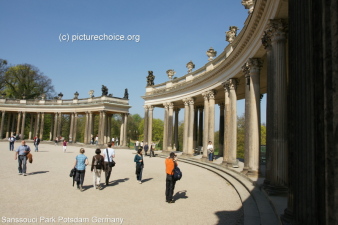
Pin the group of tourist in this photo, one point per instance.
(145, 147)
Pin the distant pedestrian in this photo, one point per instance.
(108, 153)
(210, 150)
(81, 161)
(21, 156)
(138, 159)
(170, 164)
(146, 148)
(97, 167)
(64, 145)
(11, 142)
(36, 143)
(96, 140)
(56, 141)
(152, 148)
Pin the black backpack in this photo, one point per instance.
(177, 173)
(98, 162)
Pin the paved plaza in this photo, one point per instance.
(46, 194)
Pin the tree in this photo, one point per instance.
(263, 134)
(240, 136)
(3, 69)
(26, 80)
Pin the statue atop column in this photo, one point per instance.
(104, 90)
(150, 78)
(126, 95)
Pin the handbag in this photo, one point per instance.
(112, 163)
(72, 172)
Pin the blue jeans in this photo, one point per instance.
(22, 161)
(211, 156)
(11, 146)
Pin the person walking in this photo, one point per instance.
(146, 147)
(138, 159)
(152, 148)
(36, 143)
(56, 141)
(81, 161)
(108, 154)
(170, 164)
(64, 145)
(11, 143)
(21, 155)
(210, 149)
(97, 167)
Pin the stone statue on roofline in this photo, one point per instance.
(126, 95)
(104, 90)
(150, 78)
(231, 34)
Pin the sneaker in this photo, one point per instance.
(20, 173)
(25, 174)
(140, 182)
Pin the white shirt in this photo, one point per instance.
(111, 153)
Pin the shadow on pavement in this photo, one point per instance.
(38, 172)
(180, 195)
(145, 180)
(230, 217)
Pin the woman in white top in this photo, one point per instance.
(210, 150)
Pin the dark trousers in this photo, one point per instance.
(11, 146)
(79, 177)
(22, 161)
(169, 187)
(107, 171)
(152, 153)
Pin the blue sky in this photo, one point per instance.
(171, 34)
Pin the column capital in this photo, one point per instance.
(212, 94)
(166, 106)
(191, 101)
(176, 109)
(170, 105)
(151, 108)
(205, 95)
(146, 107)
(232, 83)
(266, 39)
(278, 29)
(221, 105)
(186, 101)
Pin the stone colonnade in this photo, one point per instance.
(14, 123)
(199, 119)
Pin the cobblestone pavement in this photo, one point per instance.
(46, 195)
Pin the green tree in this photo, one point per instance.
(26, 80)
(240, 136)
(263, 134)
(134, 131)
(3, 69)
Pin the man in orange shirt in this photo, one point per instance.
(170, 164)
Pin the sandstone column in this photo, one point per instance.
(186, 126)
(221, 129)
(206, 124)
(2, 123)
(232, 83)
(59, 124)
(18, 123)
(23, 125)
(42, 124)
(226, 123)
(170, 126)
(86, 128)
(165, 129)
(125, 129)
(211, 129)
(75, 127)
(10, 117)
(150, 124)
(190, 149)
(55, 126)
(252, 106)
(177, 147)
(195, 136)
(200, 127)
(71, 127)
(145, 129)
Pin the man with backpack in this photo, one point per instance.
(108, 155)
(11, 143)
(170, 164)
(97, 167)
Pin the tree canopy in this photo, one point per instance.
(25, 80)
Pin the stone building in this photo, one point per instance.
(288, 50)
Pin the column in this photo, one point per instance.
(177, 147)
(221, 129)
(8, 132)
(232, 83)
(23, 125)
(200, 127)
(91, 127)
(71, 129)
(103, 126)
(186, 126)
(252, 106)
(18, 123)
(36, 126)
(42, 124)
(195, 135)
(85, 136)
(59, 124)
(206, 124)
(170, 126)
(226, 123)
(165, 129)
(150, 124)
(31, 131)
(55, 125)
(75, 127)
(145, 124)
(211, 129)
(121, 130)
(2, 124)
(109, 128)
(125, 129)
(51, 134)
(190, 150)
